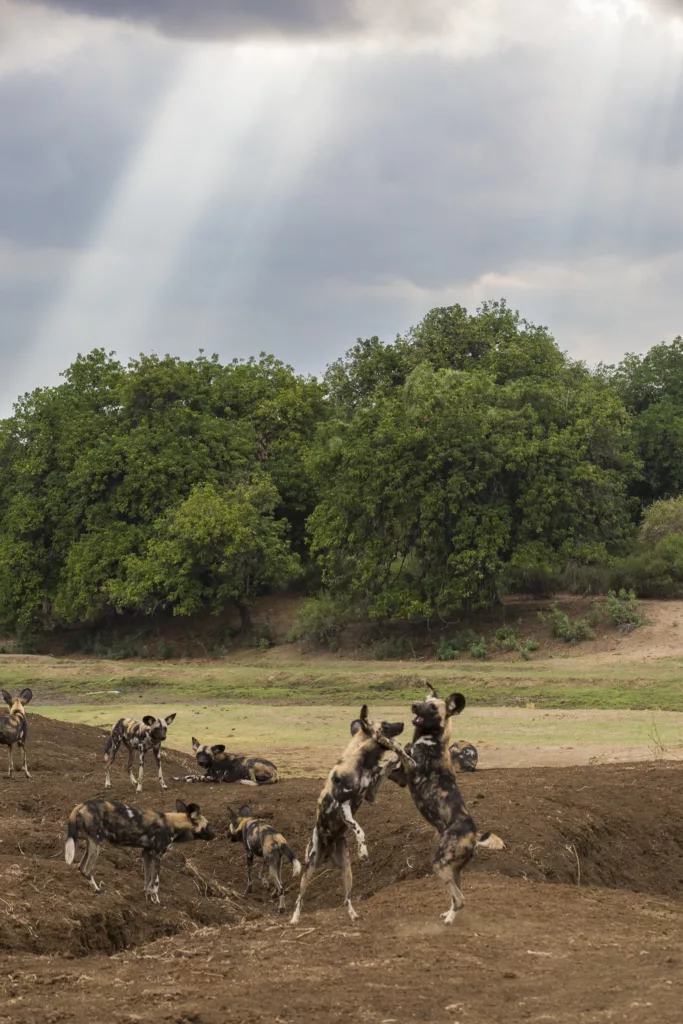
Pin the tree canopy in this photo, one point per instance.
(418, 477)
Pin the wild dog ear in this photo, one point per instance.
(234, 817)
(192, 811)
(356, 726)
(170, 718)
(364, 719)
(245, 811)
(218, 748)
(7, 697)
(195, 744)
(25, 695)
(455, 704)
(149, 720)
(181, 807)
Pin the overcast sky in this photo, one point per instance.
(288, 175)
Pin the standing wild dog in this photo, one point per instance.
(152, 831)
(425, 767)
(14, 726)
(262, 840)
(219, 766)
(464, 756)
(142, 736)
(357, 776)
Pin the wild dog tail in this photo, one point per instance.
(110, 737)
(489, 841)
(291, 857)
(72, 836)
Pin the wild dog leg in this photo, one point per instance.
(129, 766)
(109, 757)
(452, 855)
(274, 870)
(250, 864)
(24, 765)
(312, 854)
(92, 854)
(11, 762)
(138, 787)
(347, 878)
(194, 778)
(356, 829)
(160, 775)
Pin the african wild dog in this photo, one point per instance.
(425, 767)
(262, 840)
(464, 756)
(357, 776)
(153, 831)
(142, 736)
(220, 766)
(14, 726)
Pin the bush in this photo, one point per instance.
(530, 645)
(661, 519)
(446, 651)
(478, 649)
(391, 648)
(653, 572)
(562, 628)
(622, 608)
(506, 639)
(262, 636)
(320, 622)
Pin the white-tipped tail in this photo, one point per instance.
(69, 851)
(296, 867)
(248, 782)
(491, 842)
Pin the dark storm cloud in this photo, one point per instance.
(231, 19)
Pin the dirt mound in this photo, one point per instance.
(607, 826)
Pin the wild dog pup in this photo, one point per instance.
(464, 756)
(153, 831)
(425, 766)
(142, 736)
(219, 766)
(357, 776)
(262, 840)
(14, 726)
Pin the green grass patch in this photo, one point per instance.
(551, 683)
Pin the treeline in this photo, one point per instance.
(468, 458)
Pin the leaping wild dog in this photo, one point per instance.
(142, 736)
(219, 766)
(357, 776)
(262, 840)
(425, 767)
(14, 726)
(153, 831)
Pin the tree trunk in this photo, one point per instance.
(245, 618)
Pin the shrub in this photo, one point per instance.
(622, 608)
(506, 639)
(320, 622)
(562, 628)
(478, 649)
(446, 651)
(661, 519)
(262, 636)
(653, 572)
(389, 648)
(531, 645)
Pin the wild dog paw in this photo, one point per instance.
(363, 854)
(448, 917)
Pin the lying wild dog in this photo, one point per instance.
(219, 766)
(357, 776)
(142, 736)
(153, 831)
(14, 726)
(262, 840)
(425, 767)
(464, 756)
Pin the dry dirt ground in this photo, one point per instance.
(579, 920)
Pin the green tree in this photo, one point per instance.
(498, 456)
(213, 549)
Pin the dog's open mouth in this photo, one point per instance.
(418, 720)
